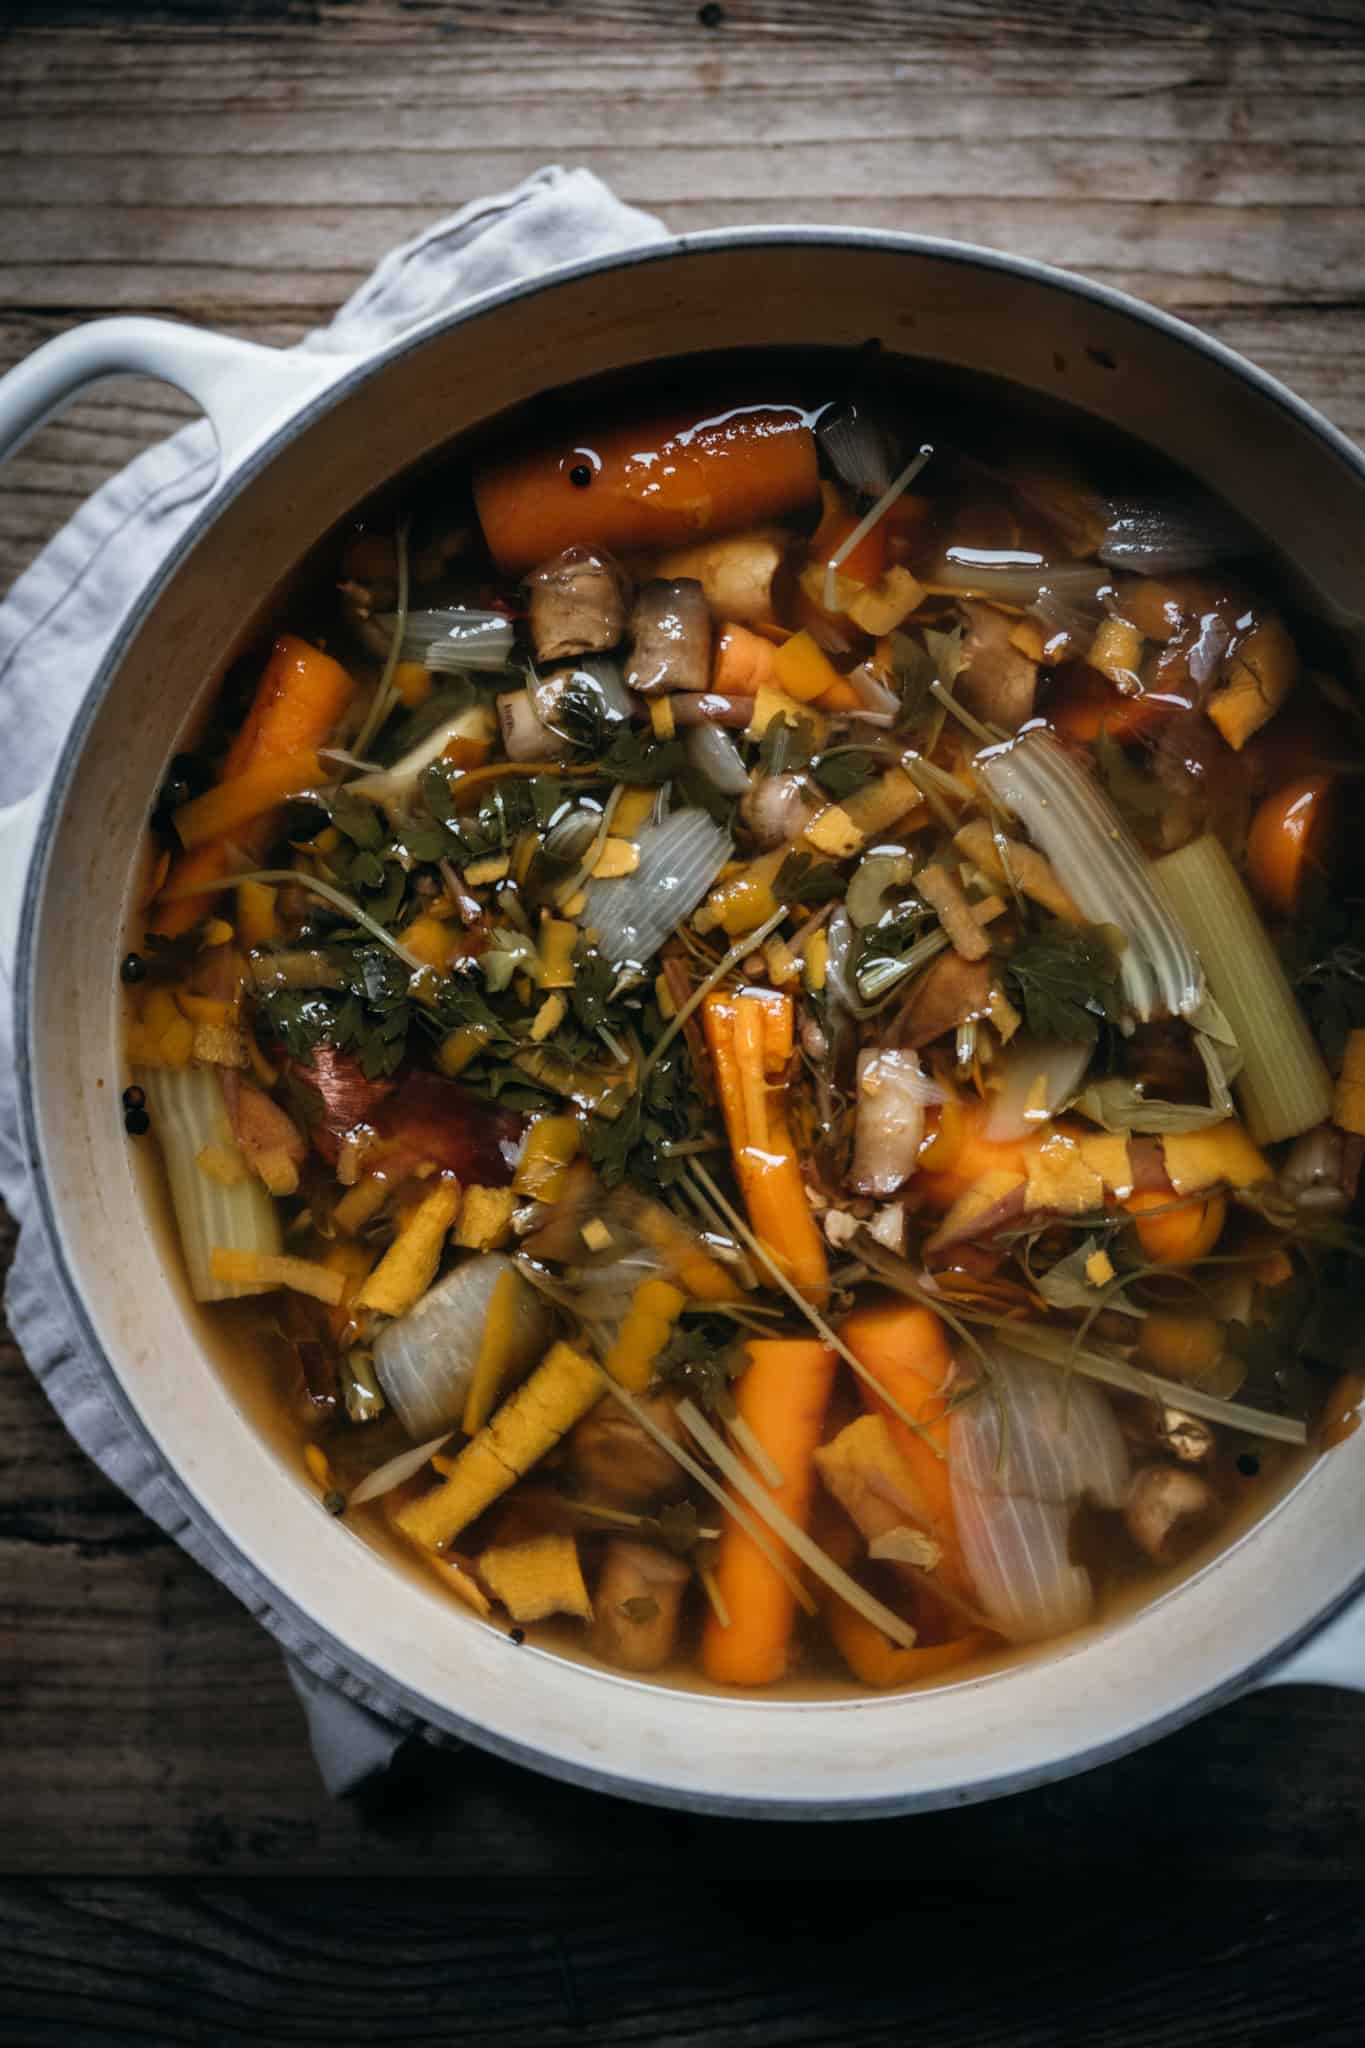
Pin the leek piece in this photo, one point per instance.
(1099, 864)
(188, 1116)
(1284, 1087)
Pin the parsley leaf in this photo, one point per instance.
(1326, 963)
(594, 980)
(915, 669)
(787, 745)
(803, 879)
(359, 821)
(702, 1358)
(1065, 981)
(847, 769)
(634, 757)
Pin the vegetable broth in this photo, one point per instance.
(754, 1023)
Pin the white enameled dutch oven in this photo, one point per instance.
(301, 441)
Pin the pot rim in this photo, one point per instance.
(323, 1646)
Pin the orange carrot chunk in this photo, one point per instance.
(905, 1350)
(1289, 841)
(654, 484)
(1172, 1232)
(782, 1397)
(299, 700)
(745, 1043)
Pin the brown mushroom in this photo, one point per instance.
(615, 1461)
(637, 1604)
(1169, 1511)
(998, 681)
(671, 635)
(578, 605)
(777, 808)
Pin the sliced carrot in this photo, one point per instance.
(804, 670)
(229, 805)
(904, 1347)
(299, 700)
(1174, 1233)
(738, 1034)
(1289, 840)
(866, 562)
(782, 1397)
(742, 663)
(653, 484)
(958, 1155)
(875, 1661)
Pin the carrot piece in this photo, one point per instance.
(738, 1035)
(742, 663)
(876, 1662)
(903, 1346)
(958, 1155)
(1289, 838)
(1178, 1235)
(804, 670)
(840, 696)
(264, 786)
(782, 1397)
(654, 484)
(299, 699)
(867, 561)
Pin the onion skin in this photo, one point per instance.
(425, 1360)
(1013, 1509)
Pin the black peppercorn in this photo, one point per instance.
(580, 476)
(137, 1123)
(132, 968)
(335, 1503)
(133, 1098)
(516, 1635)
(1248, 1464)
(712, 15)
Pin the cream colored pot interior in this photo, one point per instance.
(1092, 1695)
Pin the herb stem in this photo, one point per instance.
(741, 950)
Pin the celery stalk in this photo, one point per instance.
(1284, 1087)
(188, 1115)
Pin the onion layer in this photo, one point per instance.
(425, 1361)
(679, 860)
(1024, 1454)
(893, 1091)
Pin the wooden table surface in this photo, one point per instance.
(244, 166)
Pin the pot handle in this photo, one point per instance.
(1333, 1655)
(245, 389)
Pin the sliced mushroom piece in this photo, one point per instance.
(637, 1605)
(949, 993)
(778, 808)
(998, 682)
(613, 1460)
(1169, 1511)
(578, 605)
(671, 637)
(525, 735)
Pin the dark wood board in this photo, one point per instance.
(244, 165)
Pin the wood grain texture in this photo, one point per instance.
(244, 165)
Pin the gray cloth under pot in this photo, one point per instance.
(55, 626)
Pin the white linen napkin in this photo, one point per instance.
(55, 626)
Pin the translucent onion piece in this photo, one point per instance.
(1100, 863)
(858, 447)
(425, 1361)
(1040, 1076)
(450, 641)
(594, 675)
(716, 758)
(385, 1477)
(893, 1090)
(679, 860)
(1023, 1456)
(1161, 536)
(1078, 584)
(396, 785)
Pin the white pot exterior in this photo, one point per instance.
(1092, 1696)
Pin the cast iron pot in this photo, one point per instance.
(301, 441)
